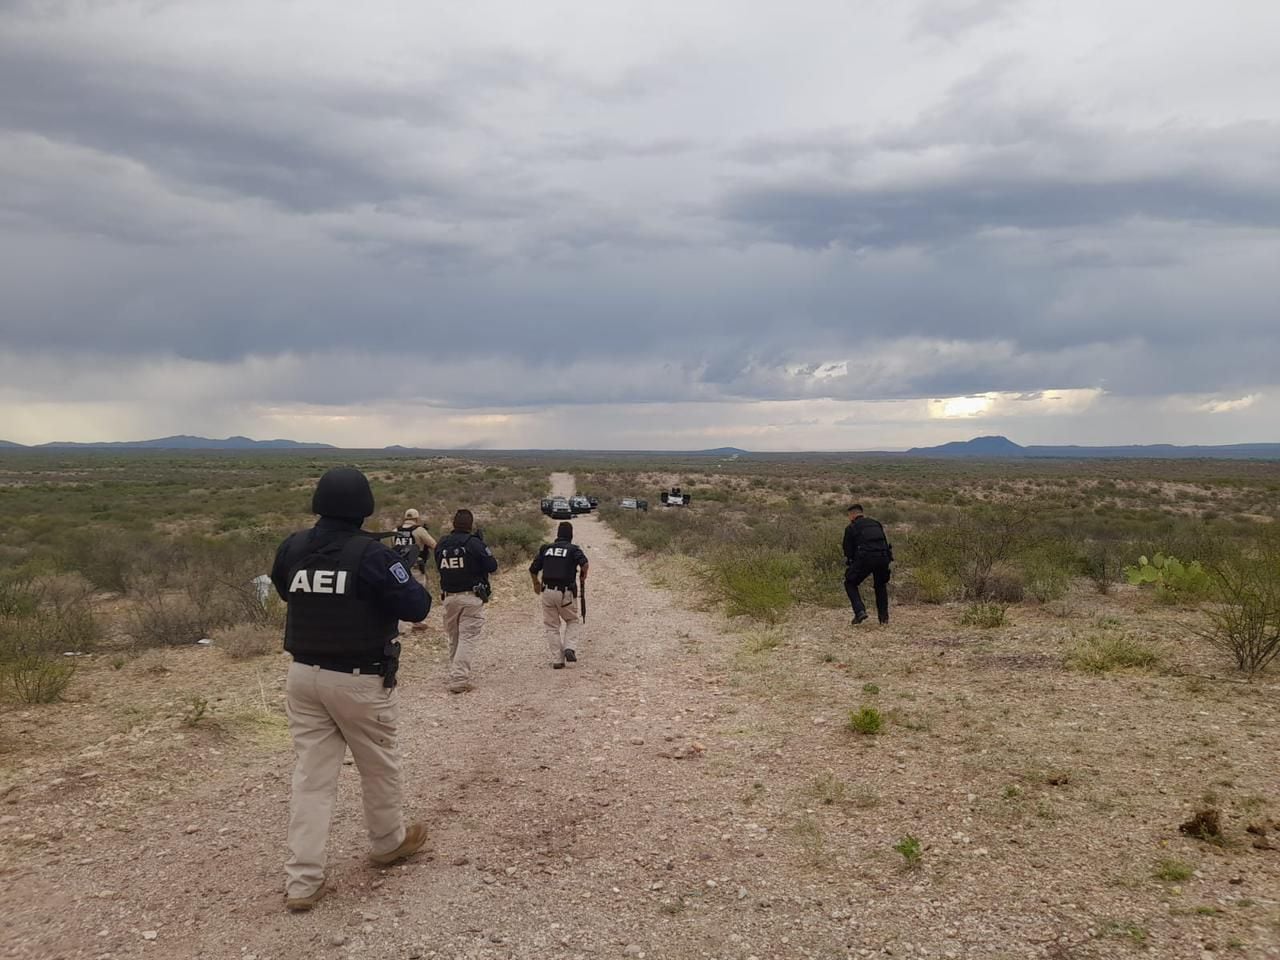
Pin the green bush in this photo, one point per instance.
(756, 583)
(985, 615)
(867, 721)
(1245, 623)
(37, 679)
(18, 598)
(514, 541)
(1046, 581)
(933, 585)
(910, 849)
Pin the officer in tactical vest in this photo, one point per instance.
(464, 563)
(867, 553)
(413, 541)
(346, 594)
(561, 564)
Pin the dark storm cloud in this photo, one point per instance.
(214, 132)
(939, 214)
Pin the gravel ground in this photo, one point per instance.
(683, 793)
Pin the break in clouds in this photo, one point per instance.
(789, 226)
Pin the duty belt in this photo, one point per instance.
(558, 586)
(370, 668)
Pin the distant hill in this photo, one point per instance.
(181, 442)
(1003, 447)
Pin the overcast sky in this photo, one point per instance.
(790, 225)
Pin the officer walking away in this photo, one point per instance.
(561, 564)
(346, 594)
(867, 553)
(464, 563)
(413, 541)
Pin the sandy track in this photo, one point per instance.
(553, 798)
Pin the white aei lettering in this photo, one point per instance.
(452, 563)
(558, 551)
(320, 581)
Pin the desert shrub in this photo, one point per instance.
(514, 541)
(108, 562)
(1002, 585)
(1045, 581)
(49, 632)
(37, 679)
(933, 585)
(18, 597)
(911, 850)
(1103, 652)
(1245, 623)
(162, 619)
(821, 578)
(1102, 562)
(866, 721)
(991, 537)
(245, 640)
(755, 583)
(985, 614)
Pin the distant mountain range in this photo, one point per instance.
(979, 448)
(995, 448)
(182, 442)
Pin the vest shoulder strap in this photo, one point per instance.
(353, 552)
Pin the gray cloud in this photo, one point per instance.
(504, 210)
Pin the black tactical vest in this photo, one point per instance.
(459, 571)
(327, 619)
(403, 543)
(558, 568)
(872, 545)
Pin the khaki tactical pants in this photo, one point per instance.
(463, 623)
(329, 712)
(560, 605)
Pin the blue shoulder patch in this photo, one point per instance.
(399, 572)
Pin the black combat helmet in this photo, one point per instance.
(343, 492)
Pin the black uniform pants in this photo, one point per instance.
(855, 573)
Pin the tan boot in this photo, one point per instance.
(414, 838)
(303, 904)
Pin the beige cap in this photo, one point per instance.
(411, 514)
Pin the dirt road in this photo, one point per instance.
(570, 811)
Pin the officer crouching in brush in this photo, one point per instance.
(346, 594)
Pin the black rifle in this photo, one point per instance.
(582, 597)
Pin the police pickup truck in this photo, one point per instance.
(675, 498)
(631, 503)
